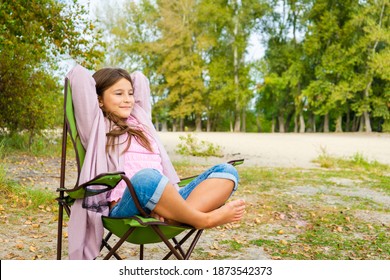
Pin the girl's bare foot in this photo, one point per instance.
(228, 213)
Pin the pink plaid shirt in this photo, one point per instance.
(137, 158)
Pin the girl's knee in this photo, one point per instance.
(146, 177)
(228, 168)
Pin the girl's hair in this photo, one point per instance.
(105, 78)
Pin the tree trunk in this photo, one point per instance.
(326, 123)
(243, 127)
(361, 123)
(164, 126)
(348, 122)
(311, 123)
(181, 125)
(367, 122)
(355, 124)
(296, 125)
(237, 123)
(198, 123)
(208, 125)
(339, 122)
(281, 123)
(302, 126)
(273, 125)
(258, 124)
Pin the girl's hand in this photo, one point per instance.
(157, 216)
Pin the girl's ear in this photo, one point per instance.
(100, 102)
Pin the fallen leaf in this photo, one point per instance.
(215, 246)
(284, 242)
(212, 254)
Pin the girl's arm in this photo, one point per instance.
(85, 102)
(142, 92)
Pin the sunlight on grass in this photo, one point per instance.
(24, 198)
(356, 161)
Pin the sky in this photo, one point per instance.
(255, 50)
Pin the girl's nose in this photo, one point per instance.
(127, 98)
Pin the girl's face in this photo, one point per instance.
(118, 99)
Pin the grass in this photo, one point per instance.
(45, 144)
(313, 213)
(337, 211)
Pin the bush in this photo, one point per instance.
(192, 147)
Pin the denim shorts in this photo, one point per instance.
(149, 184)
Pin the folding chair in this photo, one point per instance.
(141, 229)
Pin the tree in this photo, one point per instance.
(372, 53)
(286, 74)
(228, 26)
(33, 35)
(345, 38)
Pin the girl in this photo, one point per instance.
(115, 128)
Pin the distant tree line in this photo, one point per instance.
(326, 65)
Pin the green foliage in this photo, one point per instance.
(356, 162)
(194, 54)
(2, 168)
(48, 142)
(191, 146)
(386, 126)
(34, 36)
(22, 197)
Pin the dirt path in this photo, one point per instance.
(289, 149)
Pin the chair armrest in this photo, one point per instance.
(107, 181)
(236, 162)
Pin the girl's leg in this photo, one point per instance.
(211, 189)
(210, 194)
(156, 194)
(173, 207)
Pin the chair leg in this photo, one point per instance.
(119, 243)
(59, 230)
(193, 244)
(178, 247)
(187, 255)
(109, 248)
(166, 241)
(141, 251)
